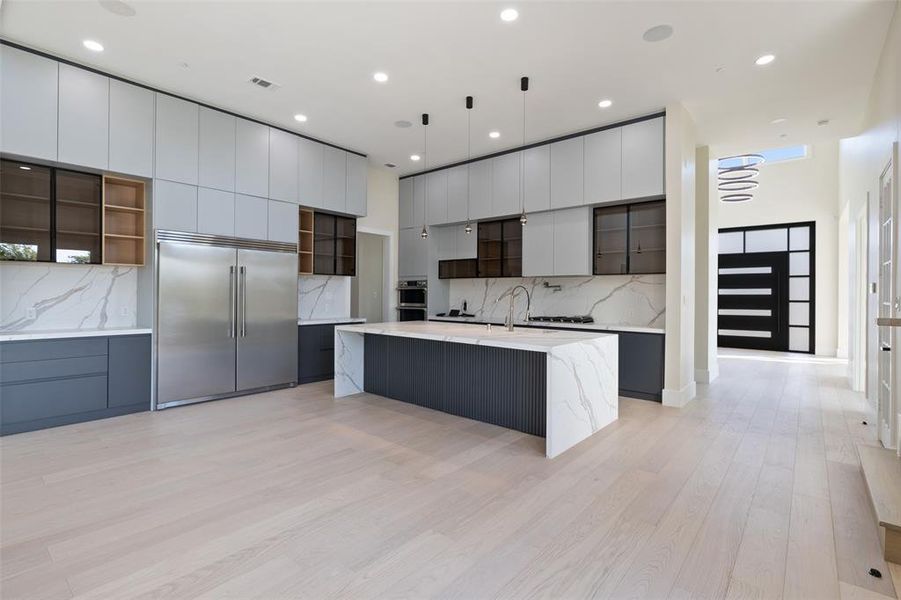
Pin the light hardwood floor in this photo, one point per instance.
(752, 491)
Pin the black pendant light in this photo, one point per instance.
(424, 234)
(523, 219)
(468, 228)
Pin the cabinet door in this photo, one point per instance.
(131, 111)
(128, 378)
(537, 177)
(309, 158)
(176, 139)
(405, 203)
(457, 194)
(419, 184)
(283, 166)
(642, 158)
(436, 210)
(357, 179)
(83, 118)
(538, 245)
(334, 179)
(29, 95)
(603, 166)
(480, 189)
(505, 185)
(610, 240)
(647, 237)
(215, 212)
(566, 173)
(445, 242)
(217, 150)
(251, 158)
(174, 206)
(467, 243)
(251, 217)
(283, 222)
(412, 252)
(572, 241)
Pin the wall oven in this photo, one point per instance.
(412, 300)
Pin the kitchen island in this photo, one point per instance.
(560, 385)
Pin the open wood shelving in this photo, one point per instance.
(123, 221)
(305, 242)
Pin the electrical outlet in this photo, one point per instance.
(31, 313)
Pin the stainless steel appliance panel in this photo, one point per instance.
(267, 318)
(196, 323)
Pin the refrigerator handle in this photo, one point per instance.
(231, 301)
(243, 288)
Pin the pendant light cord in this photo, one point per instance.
(522, 159)
(468, 159)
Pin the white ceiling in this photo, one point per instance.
(324, 54)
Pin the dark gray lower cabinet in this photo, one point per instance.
(316, 352)
(46, 383)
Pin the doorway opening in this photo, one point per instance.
(368, 290)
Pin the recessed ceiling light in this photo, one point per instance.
(92, 45)
(509, 14)
(605, 103)
(300, 118)
(822, 122)
(380, 77)
(765, 59)
(494, 134)
(658, 33)
(24, 168)
(414, 157)
(783, 135)
(117, 7)
(779, 120)
(403, 124)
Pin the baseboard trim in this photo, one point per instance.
(679, 398)
(706, 375)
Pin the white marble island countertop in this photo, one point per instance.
(330, 320)
(553, 325)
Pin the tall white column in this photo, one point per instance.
(706, 251)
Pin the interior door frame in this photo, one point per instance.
(887, 430)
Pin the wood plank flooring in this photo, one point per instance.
(752, 491)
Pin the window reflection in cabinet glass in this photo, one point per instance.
(78, 214)
(24, 212)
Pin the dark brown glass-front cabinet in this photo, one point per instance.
(630, 238)
(500, 248)
(334, 245)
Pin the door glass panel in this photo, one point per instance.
(78, 197)
(732, 242)
(746, 271)
(24, 212)
(799, 339)
(799, 288)
(745, 291)
(745, 312)
(799, 238)
(799, 313)
(799, 263)
(766, 240)
(745, 333)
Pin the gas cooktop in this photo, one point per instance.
(576, 319)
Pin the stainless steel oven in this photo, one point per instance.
(412, 300)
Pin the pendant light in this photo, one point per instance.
(523, 219)
(468, 228)
(425, 151)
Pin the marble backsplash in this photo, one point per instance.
(323, 297)
(634, 300)
(40, 297)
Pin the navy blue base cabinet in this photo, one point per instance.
(316, 352)
(46, 383)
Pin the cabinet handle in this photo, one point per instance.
(231, 301)
(243, 301)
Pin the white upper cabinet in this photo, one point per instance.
(217, 150)
(357, 181)
(215, 212)
(405, 203)
(643, 159)
(505, 185)
(419, 183)
(174, 206)
(176, 139)
(457, 194)
(412, 255)
(538, 245)
(309, 161)
(572, 241)
(29, 93)
(282, 222)
(603, 166)
(252, 158)
(283, 166)
(480, 190)
(537, 178)
(445, 242)
(131, 126)
(251, 217)
(83, 137)
(467, 243)
(334, 179)
(436, 209)
(566, 173)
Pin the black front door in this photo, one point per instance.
(752, 307)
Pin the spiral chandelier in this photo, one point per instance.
(737, 181)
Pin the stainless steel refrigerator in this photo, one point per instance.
(226, 317)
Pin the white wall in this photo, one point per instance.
(707, 206)
(381, 219)
(801, 190)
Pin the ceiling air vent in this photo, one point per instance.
(264, 83)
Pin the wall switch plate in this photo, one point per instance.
(31, 313)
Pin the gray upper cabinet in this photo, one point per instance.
(176, 139)
(251, 158)
(537, 177)
(566, 173)
(283, 221)
(643, 159)
(538, 245)
(131, 126)
(215, 212)
(405, 203)
(505, 198)
(252, 217)
(419, 183)
(572, 241)
(436, 208)
(83, 137)
(480, 190)
(334, 179)
(29, 94)
(217, 150)
(283, 166)
(309, 172)
(174, 206)
(457, 194)
(357, 180)
(412, 255)
(467, 243)
(603, 166)
(445, 241)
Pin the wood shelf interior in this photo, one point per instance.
(123, 221)
(305, 242)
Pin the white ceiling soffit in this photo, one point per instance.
(324, 55)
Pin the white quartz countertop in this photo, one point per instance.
(538, 340)
(14, 336)
(330, 321)
(545, 324)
